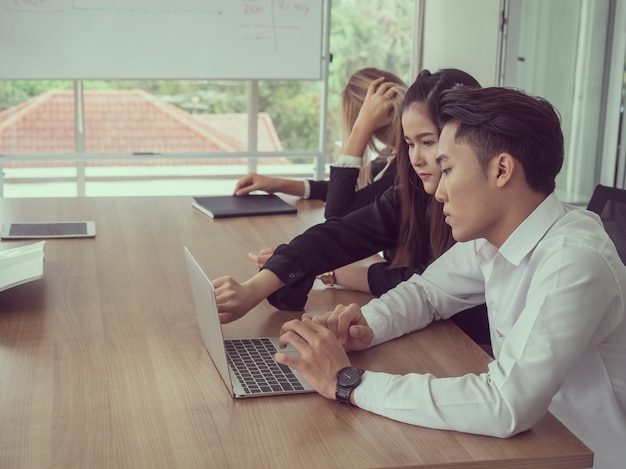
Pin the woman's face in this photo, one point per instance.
(422, 137)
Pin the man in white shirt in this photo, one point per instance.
(552, 280)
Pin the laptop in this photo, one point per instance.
(246, 366)
(227, 206)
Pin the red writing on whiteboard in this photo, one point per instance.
(33, 6)
(31, 3)
(252, 9)
(298, 7)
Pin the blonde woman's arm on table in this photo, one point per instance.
(257, 182)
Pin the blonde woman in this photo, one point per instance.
(370, 109)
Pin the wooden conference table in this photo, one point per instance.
(102, 364)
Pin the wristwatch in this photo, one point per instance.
(348, 378)
(328, 278)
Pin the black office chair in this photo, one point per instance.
(610, 204)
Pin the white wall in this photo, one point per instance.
(462, 34)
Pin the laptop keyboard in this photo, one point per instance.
(252, 360)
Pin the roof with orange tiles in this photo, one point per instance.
(126, 122)
(235, 126)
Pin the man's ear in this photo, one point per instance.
(505, 167)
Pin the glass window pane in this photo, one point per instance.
(195, 129)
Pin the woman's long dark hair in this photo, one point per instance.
(424, 236)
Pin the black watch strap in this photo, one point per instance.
(348, 378)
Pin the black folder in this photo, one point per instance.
(242, 206)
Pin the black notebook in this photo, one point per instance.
(242, 206)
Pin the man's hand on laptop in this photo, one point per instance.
(320, 355)
(348, 325)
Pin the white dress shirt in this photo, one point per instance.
(555, 296)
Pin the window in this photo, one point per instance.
(159, 137)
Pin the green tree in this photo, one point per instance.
(373, 33)
(295, 109)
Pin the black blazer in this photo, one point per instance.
(339, 191)
(337, 242)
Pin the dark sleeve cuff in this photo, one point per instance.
(341, 191)
(288, 300)
(381, 278)
(318, 190)
(298, 281)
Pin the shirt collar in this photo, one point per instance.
(527, 235)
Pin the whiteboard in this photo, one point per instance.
(161, 39)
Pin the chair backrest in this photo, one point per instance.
(610, 204)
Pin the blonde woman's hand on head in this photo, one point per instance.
(378, 106)
(376, 112)
(261, 258)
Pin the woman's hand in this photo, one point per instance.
(261, 258)
(378, 107)
(376, 112)
(256, 182)
(234, 300)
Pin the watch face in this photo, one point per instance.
(328, 278)
(349, 376)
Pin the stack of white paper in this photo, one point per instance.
(21, 264)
